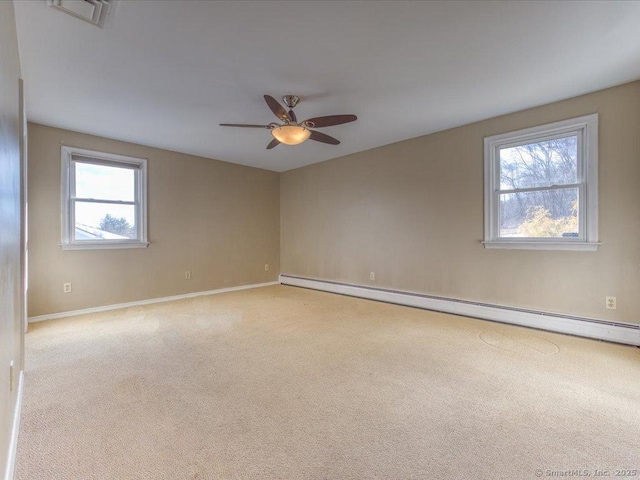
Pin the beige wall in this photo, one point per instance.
(10, 296)
(218, 220)
(412, 212)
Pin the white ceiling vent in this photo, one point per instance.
(92, 11)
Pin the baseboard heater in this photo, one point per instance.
(618, 332)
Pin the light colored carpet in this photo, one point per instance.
(286, 383)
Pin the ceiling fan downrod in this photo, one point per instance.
(291, 101)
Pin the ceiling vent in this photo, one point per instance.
(93, 11)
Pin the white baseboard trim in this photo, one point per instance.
(73, 313)
(617, 332)
(13, 441)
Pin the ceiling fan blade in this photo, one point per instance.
(274, 143)
(329, 121)
(277, 109)
(243, 125)
(324, 138)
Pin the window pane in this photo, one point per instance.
(104, 221)
(102, 182)
(541, 214)
(539, 164)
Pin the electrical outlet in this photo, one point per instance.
(187, 275)
(266, 267)
(66, 287)
(611, 303)
(372, 276)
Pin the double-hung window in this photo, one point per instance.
(541, 187)
(103, 200)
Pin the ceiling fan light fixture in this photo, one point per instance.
(290, 134)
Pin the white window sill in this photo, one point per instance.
(103, 246)
(543, 245)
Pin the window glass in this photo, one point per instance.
(539, 164)
(106, 221)
(104, 182)
(540, 214)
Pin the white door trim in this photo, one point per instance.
(13, 440)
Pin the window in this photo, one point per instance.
(103, 200)
(541, 187)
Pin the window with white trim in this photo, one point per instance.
(541, 187)
(104, 200)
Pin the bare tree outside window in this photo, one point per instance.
(540, 198)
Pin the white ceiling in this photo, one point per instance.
(165, 73)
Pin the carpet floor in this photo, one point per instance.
(286, 383)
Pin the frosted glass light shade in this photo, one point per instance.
(290, 134)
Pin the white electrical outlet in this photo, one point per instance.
(187, 275)
(372, 276)
(266, 267)
(66, 287)
(611, 302)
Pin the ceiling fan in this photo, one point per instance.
(290, 132)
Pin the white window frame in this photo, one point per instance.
(586, 129)
(68, 198)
